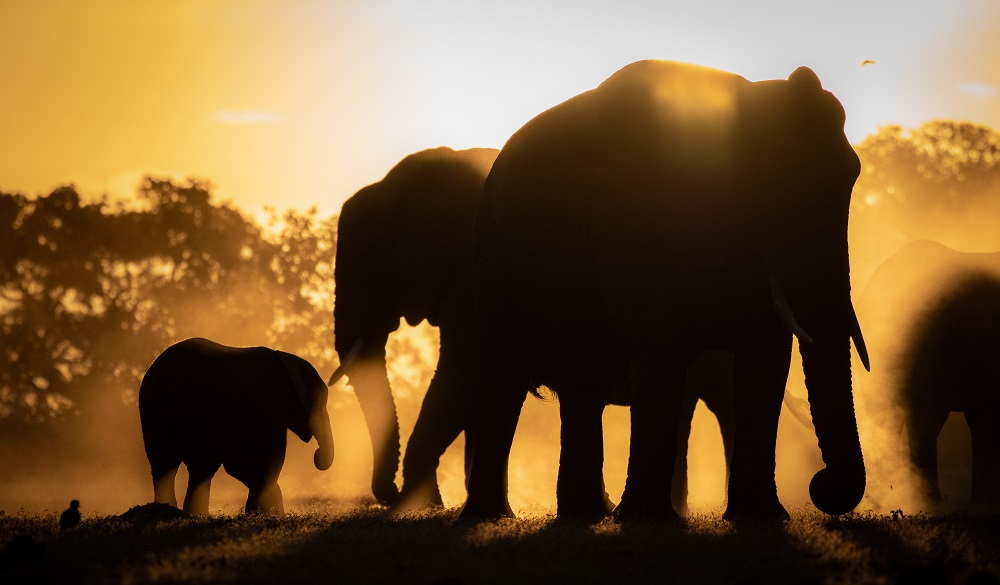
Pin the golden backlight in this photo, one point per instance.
(296, 104)
(302, 103)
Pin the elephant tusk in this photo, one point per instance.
(785, 312)
(346, 363)
(799, 409)
(859, 342)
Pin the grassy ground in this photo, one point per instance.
(339, 543)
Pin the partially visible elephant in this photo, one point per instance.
(208, 405)
(404, 250)
(672, 210)
(934, 314)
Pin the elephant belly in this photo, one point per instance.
(562, 322)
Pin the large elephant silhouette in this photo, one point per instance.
(208, 405)
(935, 325)
(404, 250)
(672, 210)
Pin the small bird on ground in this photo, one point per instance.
(71, 517)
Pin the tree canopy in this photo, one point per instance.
(939, 181)
(90, 293)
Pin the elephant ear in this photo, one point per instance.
(805, 77)
(295, 375)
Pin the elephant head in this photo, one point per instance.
(792, 150)
(402, 245)
(309, 417)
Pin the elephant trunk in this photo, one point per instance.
(814, 282)
(371, 384)
(362, 325)
(826, 362)
(319, 426)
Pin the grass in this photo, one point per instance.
(340, 542)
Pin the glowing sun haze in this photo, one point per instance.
(300, 103)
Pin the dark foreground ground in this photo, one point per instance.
(340, 543)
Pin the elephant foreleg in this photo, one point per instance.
(198, 489)
(258, 465)
(492, 436)
(760, 372)
(266, 498)
(443, 416)
(985, 456)
(922, 430)
(656, 393)
(580, 489)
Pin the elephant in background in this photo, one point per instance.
(672, 210)
(208, 405)
(935, 325)
(404, 250)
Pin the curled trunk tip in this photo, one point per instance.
(319, 423)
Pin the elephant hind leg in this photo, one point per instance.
(679, 483)
(492, 436)
(580, 489)
(710, 378)
(985, 457)
(163, 484)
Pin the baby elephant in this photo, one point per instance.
(208, 405)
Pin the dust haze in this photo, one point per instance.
(939, 182)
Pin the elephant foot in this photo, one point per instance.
(266, 500)
(417, 499)
(629, 511)
(386, 495)
(591, 512)
(479, 511)
(770, 511)
(607, 505)
(753, 498)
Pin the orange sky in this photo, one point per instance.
(297, 103)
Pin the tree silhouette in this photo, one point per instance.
(91, 292)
